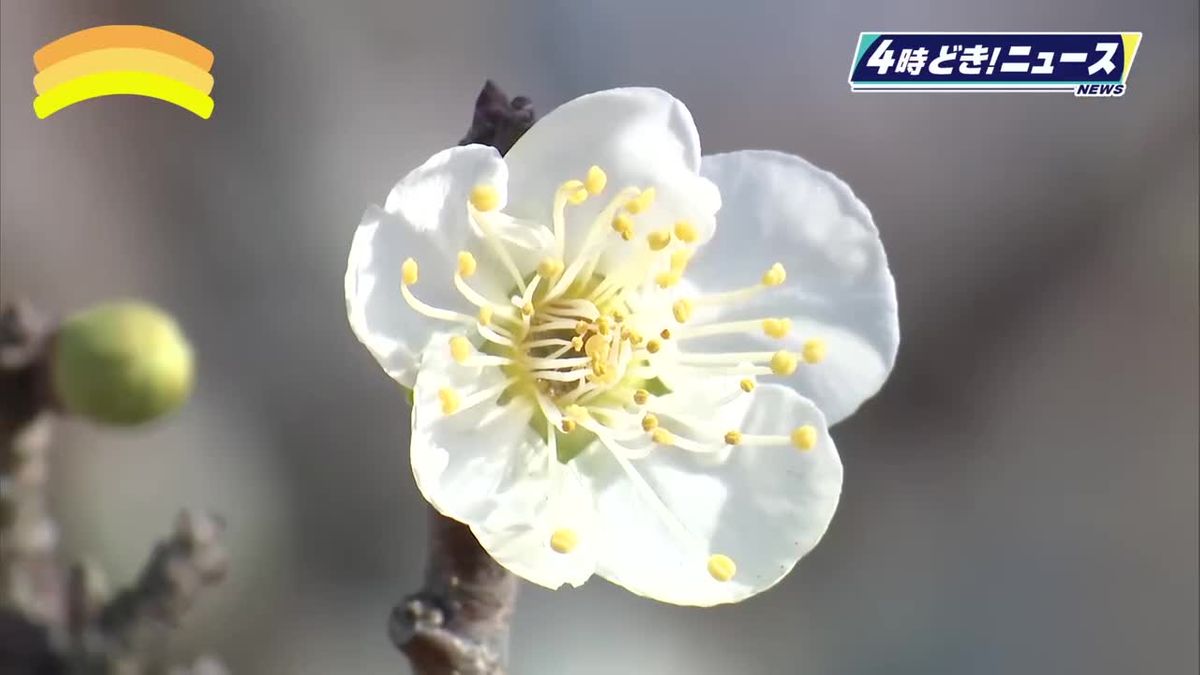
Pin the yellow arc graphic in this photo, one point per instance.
(123, 82)
(114, 60)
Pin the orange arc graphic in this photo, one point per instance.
(123, 59)
(133, 37)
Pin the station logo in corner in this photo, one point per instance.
(1088, 64)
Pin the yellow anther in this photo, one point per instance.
(635, 337)
(783, 363)
(604, 374)
(564, 540)
(550, 268)
(627, 235)
(653, 346)
(596, 347)
(460, 349)
(814, 351)
(485, 315)
(576, 412)
(577, 343)
(617, 314)
(484, 197)
(641, 396)
(527, 309)
(662, 436)
(409, 272)
(466, 264)
(679, 259)
(721, 567)
(568, 425)
(682, 309)
(649, 423)
(805, 437)
(641, 202)
(623, 224)
(685, 232)
(747, 385)
(665, 334)
(658, 239)
(733, 437)
(450, 400)
(595, 180)
(582, 327)
(774, 276)
(575, 190)
(603, 325)
(626, 333)
(667, 279)
(776, 328)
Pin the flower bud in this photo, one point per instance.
(121, 363)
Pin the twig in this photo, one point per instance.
(135, 621)
(458, 623)
(29, 576)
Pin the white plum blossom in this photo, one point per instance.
(625, 357)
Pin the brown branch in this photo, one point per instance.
(458, 623)
(179, 567)
(30, 582)
(498, 121)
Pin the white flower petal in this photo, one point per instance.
(520, 540)
(780, 208)
(487, 467)
(425, 218)
(702, 414)
(640, 137)
(764, 507)
(465, 463)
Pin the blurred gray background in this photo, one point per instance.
(1021, 497)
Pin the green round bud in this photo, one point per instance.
(121, 363)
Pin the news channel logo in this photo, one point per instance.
(126, 59)
(1087, 64)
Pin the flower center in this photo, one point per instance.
(586, 341)
(570, 338)
(573, 349)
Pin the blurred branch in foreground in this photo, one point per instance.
(122, 363)
(459, 621)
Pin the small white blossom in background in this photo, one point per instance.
(625, 357)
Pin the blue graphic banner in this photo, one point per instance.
(1089, 64)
